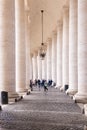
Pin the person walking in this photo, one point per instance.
(38, 82)
(45, 86)
(31, 85)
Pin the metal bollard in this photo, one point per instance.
(4, 97)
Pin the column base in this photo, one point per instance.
(28, 91)
(71, 92)
(14, 97)
(61, 89)
(64, 88)
(23, 92)
(85, 109)
(57, 86)
(80, 98)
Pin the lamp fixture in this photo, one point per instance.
(42, 51)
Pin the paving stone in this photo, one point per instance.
(53, 110)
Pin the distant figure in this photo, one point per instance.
(42, 84)
(35, 82)
(38, 82)
(50, 83)
(31, 85)
(54, 84)
(45, 86)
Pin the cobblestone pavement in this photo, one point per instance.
(53, 110)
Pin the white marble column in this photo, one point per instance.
(81, 96)
(27, 39)
(34, 61)
(73, 40)
(65, 48)
(49, 61)
(7, 47)
(54, 56)
(20, 46)
(39, 65)
(59, 53)
(31, 67)
(44, 68)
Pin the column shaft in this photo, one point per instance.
(73, 73)
(31, 66)
(81, 96)
(39, 64)
(59, 54)
(20, 46)
(49, 62)
(7, 46)
(44, 68)
(27, 36)
(54, 57)
(34, 61)
(65, 51)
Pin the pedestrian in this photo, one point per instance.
(31, 85)
(38, 82)
(45, 86)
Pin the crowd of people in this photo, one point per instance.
(41, 83)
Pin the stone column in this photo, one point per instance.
(49, 56)
(7, 47)
(31, 67)
(65, 49)
(73, 73)
(54, 56)
(59, 54)
(44, 68)
(27, 36)
(39, 64)
(20, 46)
(81, 96)
(34, 61)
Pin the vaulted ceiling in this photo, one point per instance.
(52, 13)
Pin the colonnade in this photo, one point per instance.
(66, 54)
(14, 47)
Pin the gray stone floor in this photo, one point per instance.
(53, 110)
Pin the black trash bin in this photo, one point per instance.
(4, 97)
(66, 87)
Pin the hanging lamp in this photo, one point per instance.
(42, 51)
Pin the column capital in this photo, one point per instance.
(54, 32)
(59, 24)
(35, 53)
(65, 9)
(31, 54)
(28, 17)
(49, 40)
(26, 5)
(27, 14)
(38, 50)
